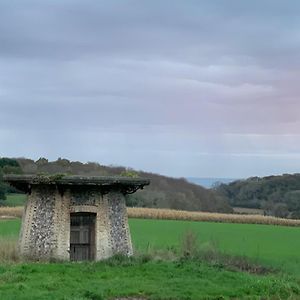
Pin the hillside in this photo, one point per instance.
(163, 192)
(276, 195)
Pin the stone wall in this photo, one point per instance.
(120, 240)
(37, 235)
(61, 226)
(45, 232)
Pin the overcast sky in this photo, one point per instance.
(182, 88)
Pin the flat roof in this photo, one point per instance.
(23, 181)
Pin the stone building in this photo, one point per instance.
(75, 217)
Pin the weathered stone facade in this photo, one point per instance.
(46, 230)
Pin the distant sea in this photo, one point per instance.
(209, 182)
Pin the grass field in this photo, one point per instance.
(162, 279)
(10, 228)
(275, 246)
(15, 200)
(140, 278)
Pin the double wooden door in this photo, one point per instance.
(82, 237)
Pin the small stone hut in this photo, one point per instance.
(75, 217)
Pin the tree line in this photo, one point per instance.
(276, 195)
(7, 166)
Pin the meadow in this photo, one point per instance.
(160, 271)
(148, 278)
(137, 279)
(274, 246)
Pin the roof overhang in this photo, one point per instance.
(126, 184)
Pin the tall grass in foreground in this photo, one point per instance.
(8, 250)
(170, 214)
(190, 250)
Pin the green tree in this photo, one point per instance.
(280, 210)
(2, 189)
(7, 166)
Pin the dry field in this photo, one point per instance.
(11, 212)
(169, 214)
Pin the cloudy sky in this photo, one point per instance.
(182, 88)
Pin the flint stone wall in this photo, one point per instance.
(45, 232)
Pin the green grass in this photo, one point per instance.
(277, 246)
(10, 228)
(135, 277)
(15, 200)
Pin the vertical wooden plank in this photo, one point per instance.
(82, 240)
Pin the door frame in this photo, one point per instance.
(85, 221)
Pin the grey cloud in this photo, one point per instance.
(144, 29)
(181, 81)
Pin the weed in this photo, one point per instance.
(189, 244)
(8, 250)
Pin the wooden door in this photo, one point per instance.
(82, 237)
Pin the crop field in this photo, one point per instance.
(248, 211)
(170, 214)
